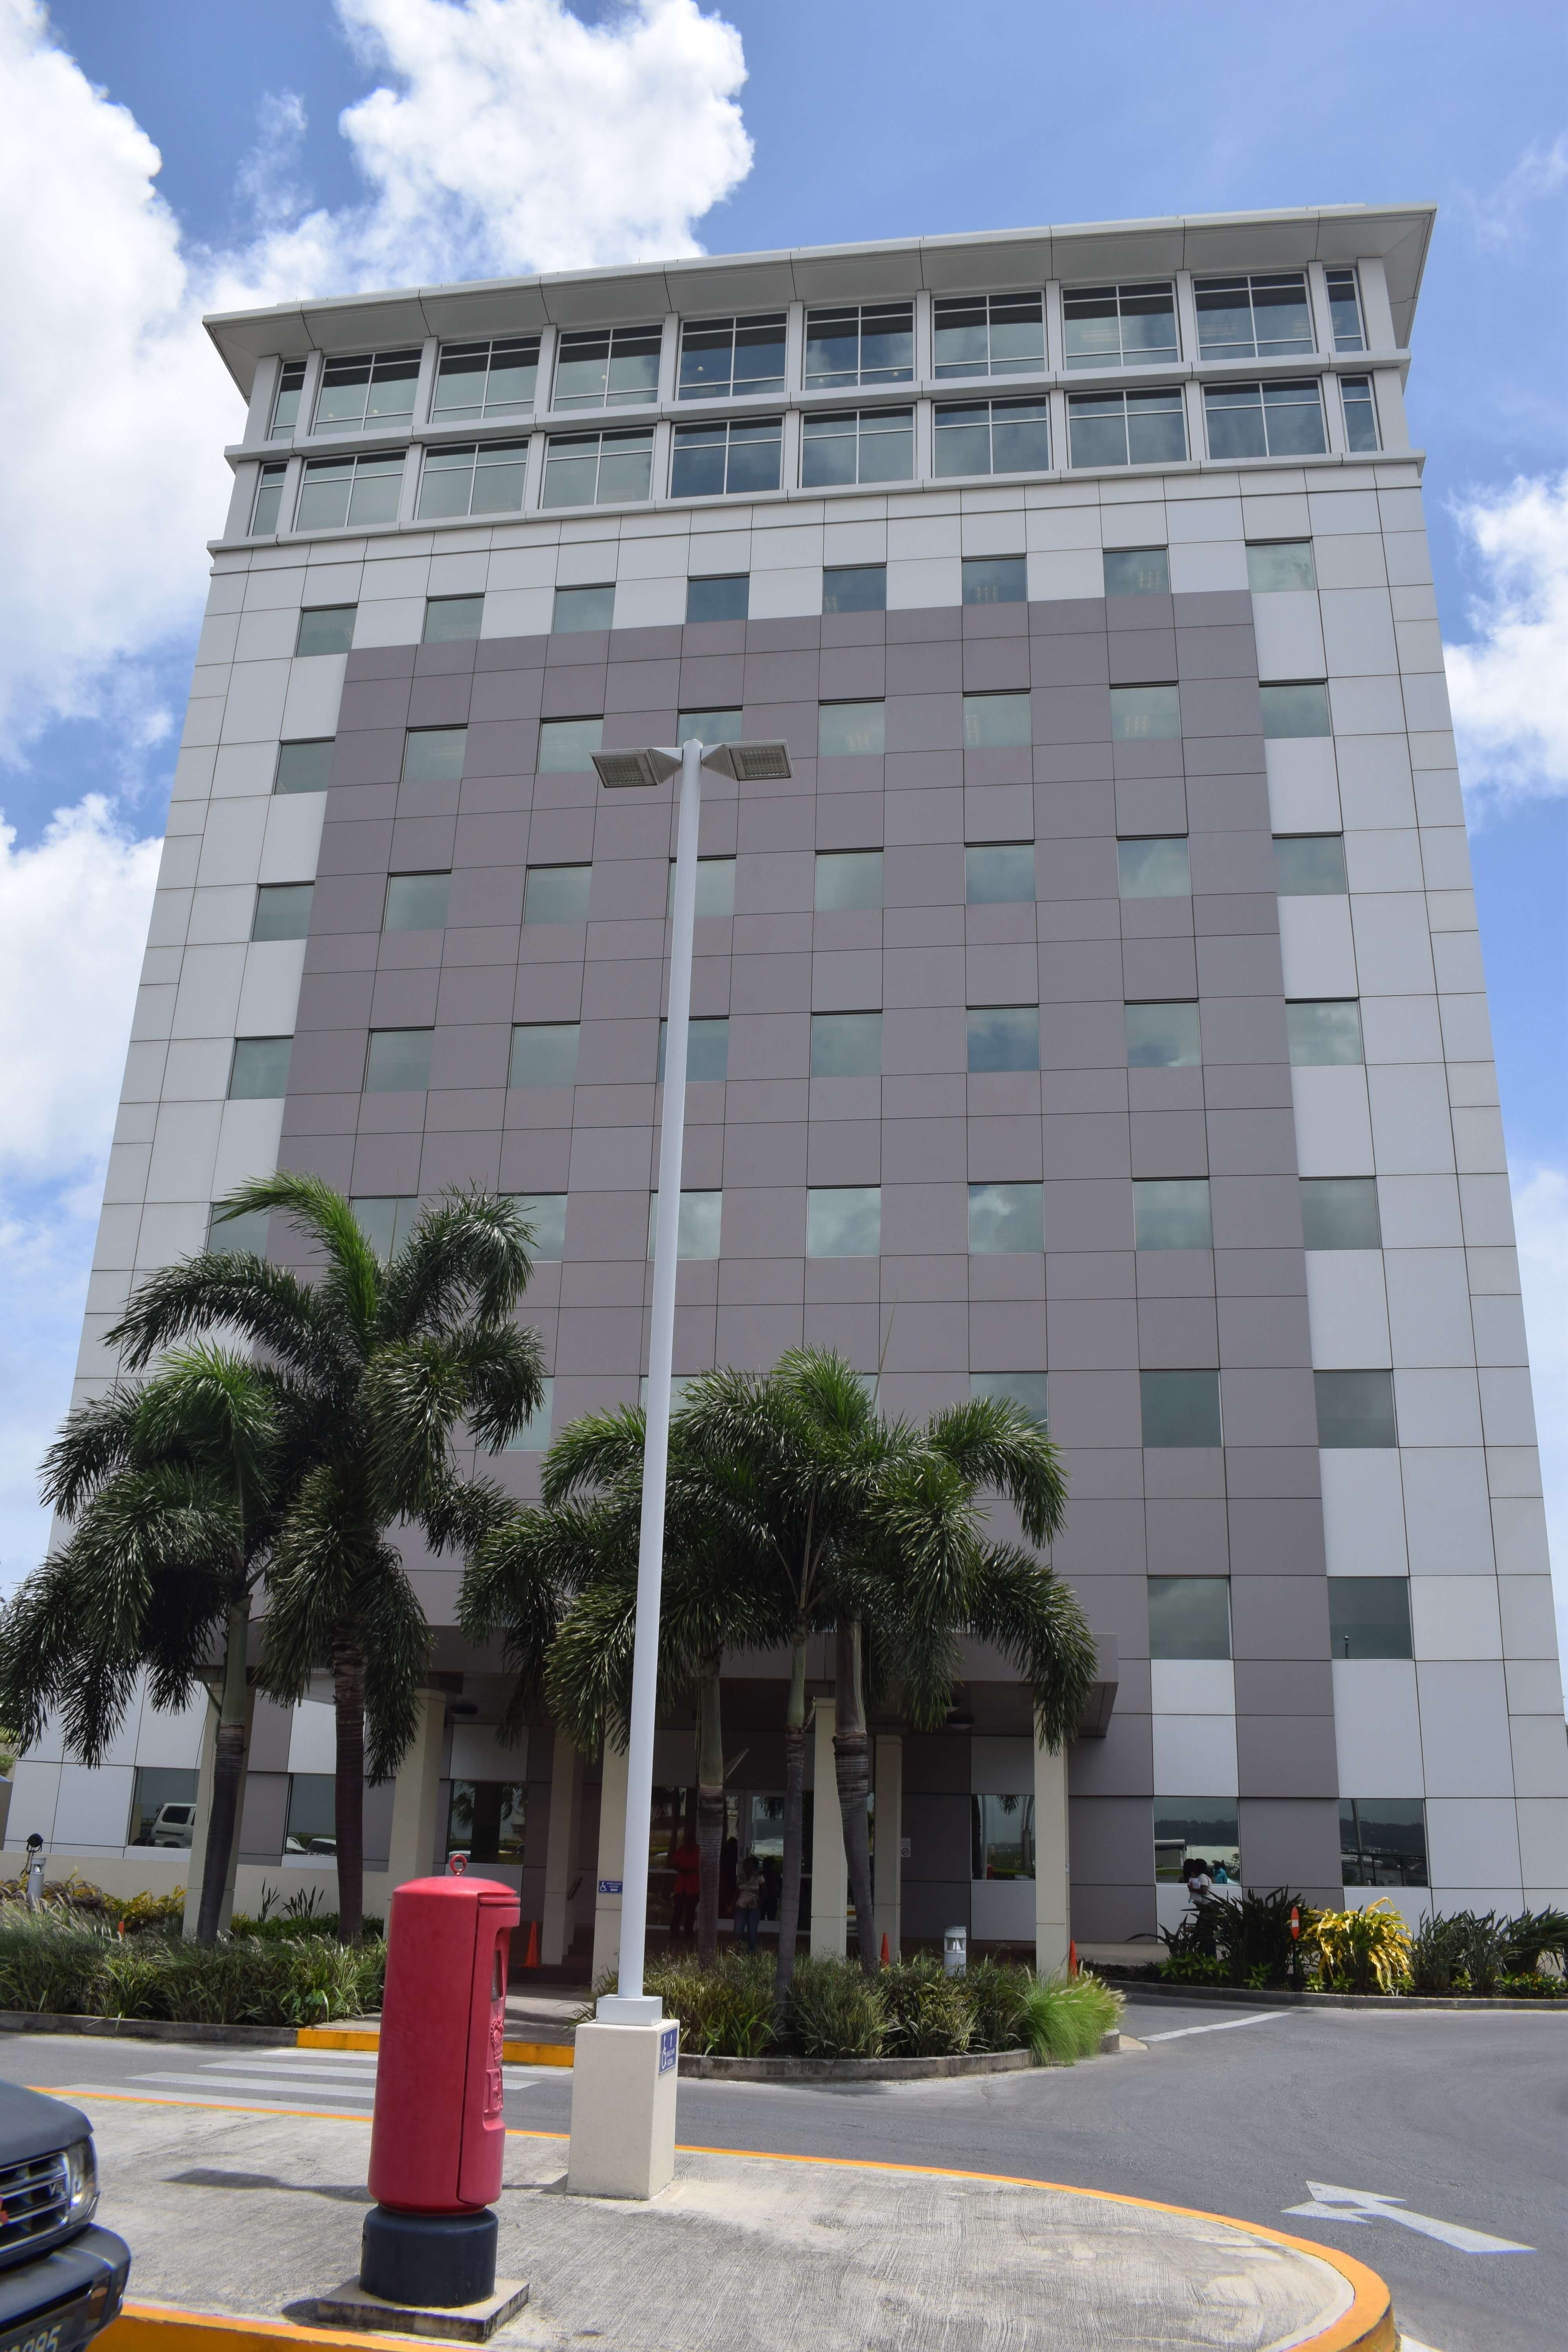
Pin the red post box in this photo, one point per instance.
(439, 2133)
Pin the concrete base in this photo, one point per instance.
(623, 2109)
(351, 2305)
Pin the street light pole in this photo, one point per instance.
(629, 2005)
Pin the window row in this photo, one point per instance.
(1272, 565)
(744, 456)
(1369, 1617)
(1383, 1841)
(846, 345)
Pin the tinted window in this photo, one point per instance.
(1025, 1390)
(416, 902)
(848, 878)
(1325, 1034)
(584, 608)
(451, 619)
(845, 1045)
(304, 767)
(847, 730)
(724, 598)
(1309, 865)
(999, 873)
(844, 1221)
(1280, 563)
(1155, 867)
(1291, 710)
(326, 629)
(1005, 1037)
(707, 1049)
(1137, 572)
(545, 1214)
(434, 755)
(1339, 1212)
(1180, 1408)
(1354, 1409)
(557, 894)
(1005, 1220)
(855, 588)
(1383, 1841)
(995, 579)
(282, 910)
(1189, 1617)
(398, 1061)
(1369, 1617)
(543, 1053)
(567, 746)
(995, 722)
(259, 1071)
(1171, 1213)
(1164, 1037)
(1144, 714)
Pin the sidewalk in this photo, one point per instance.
(247, 2214)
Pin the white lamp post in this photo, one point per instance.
(623, 2073)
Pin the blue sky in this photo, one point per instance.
(881, 120)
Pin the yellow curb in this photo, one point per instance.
(1367, 2326)
(367, 2037)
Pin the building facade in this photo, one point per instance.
(1097, 1014)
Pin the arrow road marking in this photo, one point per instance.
(1363, 2205)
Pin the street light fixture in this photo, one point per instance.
(623, 2138)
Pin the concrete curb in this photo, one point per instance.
(252, 2037)
(1250, 1997)
(853, 2069)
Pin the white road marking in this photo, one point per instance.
(1361, 2206)
(1225, 2025)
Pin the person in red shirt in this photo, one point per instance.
(687, 1863)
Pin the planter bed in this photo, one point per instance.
(866, 2070)
(1252, 1997)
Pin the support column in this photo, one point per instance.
(829, 1870)
(565, 1802)
(888, 1869)
(612, 1854)
(1053, 1927)
(411, 1847)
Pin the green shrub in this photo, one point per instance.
(68, 1969)
(995, 1990)
(1183, 1966)
(1534, 1985)
(836, 2010)
(1063, 2017)
(1534, 1936)
(930, 2014)
(725, 2011)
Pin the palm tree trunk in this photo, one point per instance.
(709, 1812)
(852, 1766)
(793, 1820)
(348, 1696)
(229, 1773)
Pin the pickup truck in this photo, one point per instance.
(61, 2277)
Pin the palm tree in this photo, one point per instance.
(385, 1364)
(173, 1490)
(559, 1583)
(878, 1526)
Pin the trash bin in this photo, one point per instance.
(956, 1950)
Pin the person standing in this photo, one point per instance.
(749, 1901)
(688, 1861)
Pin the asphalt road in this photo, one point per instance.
(1457, 2121)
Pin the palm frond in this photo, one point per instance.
(467, 1259)
(1038, 1622)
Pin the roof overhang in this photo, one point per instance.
(1397, 234)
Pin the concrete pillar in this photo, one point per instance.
(411, 1848)
(888, 1869)
(829, 1870)
(1053, 1927)
(612, 1856)
(566, 1803)
(203, 1814)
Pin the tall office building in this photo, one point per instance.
(1096, 1015)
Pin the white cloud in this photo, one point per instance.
(73, 921)
(1510, 712)
(503, 136)
(1541, 1224)
(73, 925)
(1501, 217)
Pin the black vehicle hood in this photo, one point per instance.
(32, 2125)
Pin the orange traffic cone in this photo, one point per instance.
(884, 1952)
(1072, 1957)
(532, 1959)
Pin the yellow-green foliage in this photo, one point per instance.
(1360, 1951)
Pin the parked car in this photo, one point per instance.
(61, 2277)
(172, 1825)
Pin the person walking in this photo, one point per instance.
(749, 1901)
(688, 1861)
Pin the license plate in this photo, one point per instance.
(57, 2331)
